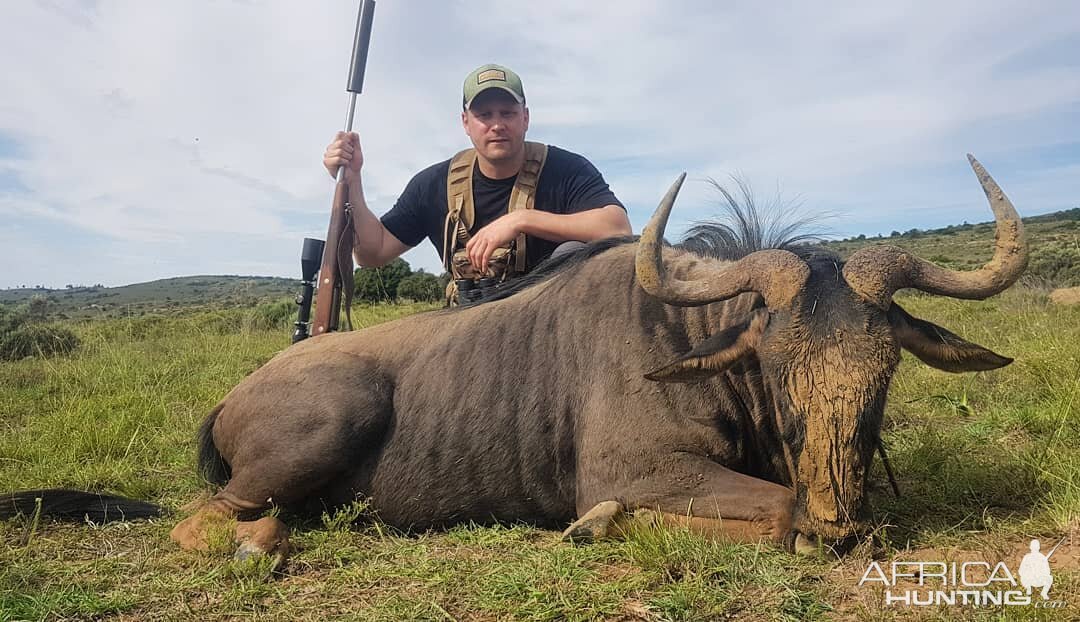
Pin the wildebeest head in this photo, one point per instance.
(827, 341)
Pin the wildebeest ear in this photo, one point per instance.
(940, 348)
(716, 353)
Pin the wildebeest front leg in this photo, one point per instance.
(708, 498)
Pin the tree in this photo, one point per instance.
(380, 284)
(38, 307)
(420, 286)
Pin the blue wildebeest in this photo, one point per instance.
(738, 392)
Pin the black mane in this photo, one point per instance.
(744, 227)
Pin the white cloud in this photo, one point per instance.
(190, 134)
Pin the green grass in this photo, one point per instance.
(985, 461)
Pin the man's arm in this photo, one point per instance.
(594, 224)
(373, 245)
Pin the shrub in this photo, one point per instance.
(380, 284)
(278, 315)
(37, 340)
(421, 287)
(11, 318)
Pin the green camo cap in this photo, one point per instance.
(492, 76)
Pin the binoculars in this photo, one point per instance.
(469, 290)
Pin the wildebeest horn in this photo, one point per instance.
(877, 272)
(777, 275)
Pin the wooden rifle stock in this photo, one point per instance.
(336, 273)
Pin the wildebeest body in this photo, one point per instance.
(518, 409)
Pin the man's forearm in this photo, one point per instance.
(367, 229)
(595, 224)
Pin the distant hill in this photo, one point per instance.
(1053, 241)
(162, 296)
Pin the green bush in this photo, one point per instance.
(37, 340)
(420, 287)
(380, 284)
(11, 318)
(278, 315)
(1058, 264)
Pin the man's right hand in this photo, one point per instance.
(345, 151)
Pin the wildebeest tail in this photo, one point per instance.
(64, 504)
(212, 466)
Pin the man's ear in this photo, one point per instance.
(465, 120)
(525, 111)
(940, 348)
(716, 353)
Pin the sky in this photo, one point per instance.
(144, 140)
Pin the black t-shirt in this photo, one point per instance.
(568, 184)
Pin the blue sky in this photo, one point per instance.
(142, 140)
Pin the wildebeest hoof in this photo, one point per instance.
(599, 523)
(250, 551)
(247, 550)
(266, 536)
(647, 518)
(816, 546)
(807, 545)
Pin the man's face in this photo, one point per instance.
(496, 124)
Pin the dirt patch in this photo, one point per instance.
(1066, 296)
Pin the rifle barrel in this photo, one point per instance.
(1054, 550)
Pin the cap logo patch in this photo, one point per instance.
(490, 74)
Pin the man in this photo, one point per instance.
(572, 201)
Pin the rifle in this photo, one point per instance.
(335, 272)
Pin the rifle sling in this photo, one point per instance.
(345, 264)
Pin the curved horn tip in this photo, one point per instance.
(977, 166)
(664, 209)
(675, 187)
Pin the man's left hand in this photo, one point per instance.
(495, 234)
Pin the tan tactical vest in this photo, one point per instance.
(461, 213)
